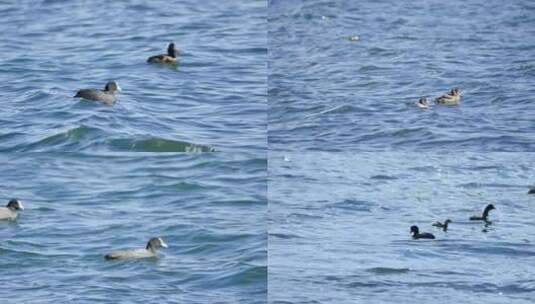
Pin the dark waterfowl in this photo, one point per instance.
(422, 103)
(170, 57)
(9, 212)
(531, 191)
(453, 97)
(485, 215)
(415, 232)
(444, 225)
(150, 251)
(106, 96)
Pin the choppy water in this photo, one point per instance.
(339, 228)
(214, 100)
(329, 93)
(338, 221)
(209, 208)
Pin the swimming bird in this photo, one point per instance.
(444, 225)
(485, 215)
(106, 96)
(531, 191)
(170, 57)
(422, 103)
(415, 232)
(453, 97)
(9, 212)
(149, 251)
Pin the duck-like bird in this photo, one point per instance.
(170, 57)
(415, 232)
(9, 212)
(149, 251)
(485, 215)
(106, 96)
(453, 97)
(444, 225)
(422, 103)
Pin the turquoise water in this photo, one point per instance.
(339, 228)
(207, 207)
(214, 100)
(332, 94)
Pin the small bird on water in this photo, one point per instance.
(422, 103)
(415, 232)
(444, 225)
(170, 57)
(106, 96)
(485, 215)
(150, 251)
(453, 97)
(9, 212)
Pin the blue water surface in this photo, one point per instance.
(209, 208)
(328, 92)
(214, 100)
(339, 228)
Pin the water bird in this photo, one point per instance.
(353, 38)
(106, 96)
(415, 232)
(453, 97)
(531, 191)
(9, 212)
(444, 225)
(422, 103)
(150, 251)
(485, 215)
(170, 57)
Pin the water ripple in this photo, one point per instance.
(215, 97)
(366, 89)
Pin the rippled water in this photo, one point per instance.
(328, 76)
(214, 100)
(209, 208)
(339, 228)
(329, 93)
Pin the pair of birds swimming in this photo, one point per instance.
(453, 97)
(107, 95)
(415, 231)
(10, 212)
